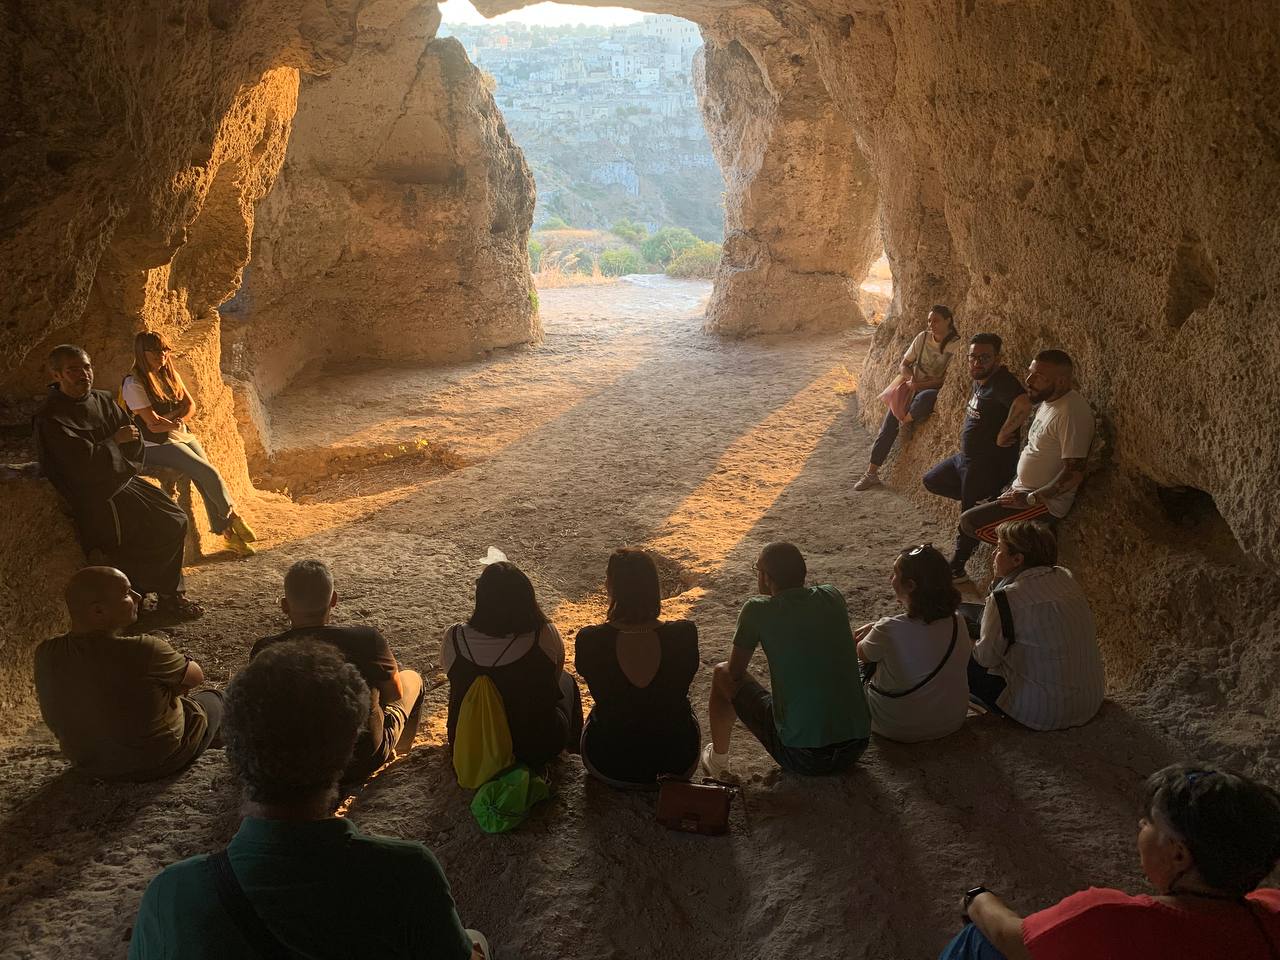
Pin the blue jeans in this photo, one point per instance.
(920, 409)
(189, 458)
(970, 944)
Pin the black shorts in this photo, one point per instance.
(754, 706)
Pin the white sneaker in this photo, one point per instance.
(713, 765)
(867, 481)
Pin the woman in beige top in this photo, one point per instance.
(924, 366)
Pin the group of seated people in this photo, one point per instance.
(95, 449)
(322, 706)
(994, 481)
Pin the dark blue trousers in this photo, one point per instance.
(970, 481)
(920, 409)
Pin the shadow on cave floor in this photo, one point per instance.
(702, 450)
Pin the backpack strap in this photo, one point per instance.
(1006, 615)
(459, 632)
(240, 910)
(896, 694)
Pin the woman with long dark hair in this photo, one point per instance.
(918, 689)
(161, 405)
(638, 668)
(510, 640)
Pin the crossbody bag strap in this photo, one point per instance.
(240, 910)
(897, 694)
(1006, 616)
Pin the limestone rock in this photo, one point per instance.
(801, 225)
(398, 229)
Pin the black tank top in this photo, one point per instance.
(530, 690)
(161, 408)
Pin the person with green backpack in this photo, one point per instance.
(510, 698)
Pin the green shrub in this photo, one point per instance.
(554, 223)
(533, 300)
(665, 245)
(630, 230)
(698, 262)
(580, 261)
(535, 254)
(618, 261)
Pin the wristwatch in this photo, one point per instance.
(971, 894)
(1032, 498)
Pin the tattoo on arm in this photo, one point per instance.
(1068, 478)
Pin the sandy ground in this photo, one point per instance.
(626, 425)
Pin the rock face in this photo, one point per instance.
(801, 224)
(398, 228)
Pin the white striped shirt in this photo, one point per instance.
(1053, 668)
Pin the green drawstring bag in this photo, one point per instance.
(503, 803)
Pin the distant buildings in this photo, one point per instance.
(614, 108)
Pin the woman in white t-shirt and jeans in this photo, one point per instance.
(161, 406)
(917, 662)
(924, 366)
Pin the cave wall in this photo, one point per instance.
(398, 227)
(135, 141)
(1104, 178)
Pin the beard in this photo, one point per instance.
(1039, 396)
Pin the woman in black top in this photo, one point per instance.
(510, 640)
(638, 669)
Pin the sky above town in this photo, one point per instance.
(542, 14)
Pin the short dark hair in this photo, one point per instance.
(292, 719)
(505, 602)
(65, 351)
(990, 339)
(935, 595)
(1229, 823)
(942, 310)
(308, 586)
(783, 563)
(1036, 542)
(1058, 358)
(635, 595)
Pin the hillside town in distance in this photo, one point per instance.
(607, 118)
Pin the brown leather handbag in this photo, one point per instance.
(695, 807)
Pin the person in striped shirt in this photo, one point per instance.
(1037, 660)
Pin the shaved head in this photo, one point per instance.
(100, 598)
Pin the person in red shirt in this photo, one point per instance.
(1207, 839)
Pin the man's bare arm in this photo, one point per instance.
(193, 677)
(1019, 410)
(739, 658)
(1069, 477)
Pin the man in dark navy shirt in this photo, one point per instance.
(984, 466)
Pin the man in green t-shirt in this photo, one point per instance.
(815, 720)
(296, 880)
(121, 707)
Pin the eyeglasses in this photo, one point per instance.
(1194, 775)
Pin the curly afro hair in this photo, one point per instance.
(292, 719)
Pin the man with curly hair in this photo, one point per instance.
(296, 880)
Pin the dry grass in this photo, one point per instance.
(552, 275)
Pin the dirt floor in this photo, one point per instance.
(627, 424)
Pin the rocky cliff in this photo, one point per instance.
(398, 227)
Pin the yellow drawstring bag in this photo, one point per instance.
(482, 739)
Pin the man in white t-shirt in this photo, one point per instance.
(1051, 467)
